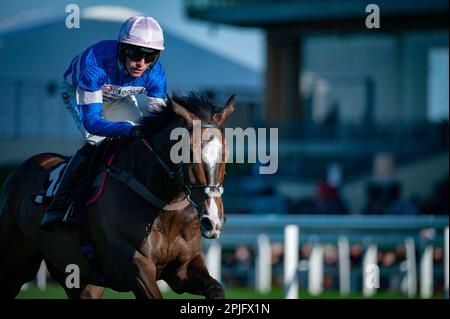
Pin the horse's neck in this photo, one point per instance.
(159, 179)
(162, 145)
(141, 162)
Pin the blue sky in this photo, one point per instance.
(242, 45)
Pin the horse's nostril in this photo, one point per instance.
(206, 223)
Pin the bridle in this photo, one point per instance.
(180, 173)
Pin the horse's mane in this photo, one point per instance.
(195, 102)
(199, 104)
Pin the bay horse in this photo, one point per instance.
(135, 242)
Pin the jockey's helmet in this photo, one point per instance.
(139, 37)
(143, 32)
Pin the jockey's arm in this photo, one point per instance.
(96, 124)
(90, 104)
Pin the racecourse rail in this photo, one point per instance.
(372, 232)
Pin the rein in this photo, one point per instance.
(131, 182)
(179, 175)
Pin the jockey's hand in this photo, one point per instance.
(136, 131)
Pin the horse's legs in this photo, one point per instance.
(16, 272)
(145, 287)
(198, 279)
(194, 278)
(10, 278)
(18, 265)
(86, 291)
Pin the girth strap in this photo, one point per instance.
(143, 191)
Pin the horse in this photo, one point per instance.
(136, 241)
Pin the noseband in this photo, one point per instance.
(180, 174)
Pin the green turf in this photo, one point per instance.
(56, 292)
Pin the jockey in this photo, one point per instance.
(99, 90)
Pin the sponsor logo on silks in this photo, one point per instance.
(121, 92)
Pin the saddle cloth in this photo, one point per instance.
(48, 191)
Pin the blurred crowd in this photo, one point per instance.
(383, 193)
(382, 198)
(238, 267)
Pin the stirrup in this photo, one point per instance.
(69, 218)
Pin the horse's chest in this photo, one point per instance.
(177, 254)
(180, 250)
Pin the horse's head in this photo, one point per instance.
(203, 176)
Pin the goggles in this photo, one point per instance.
(137, 54)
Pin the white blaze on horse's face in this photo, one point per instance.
(212, 157)
(212, 152)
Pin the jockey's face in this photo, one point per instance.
(136, 68)
(138, 59)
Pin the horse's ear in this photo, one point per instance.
(221, 118)
(187, 116)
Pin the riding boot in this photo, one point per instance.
(55, 213)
